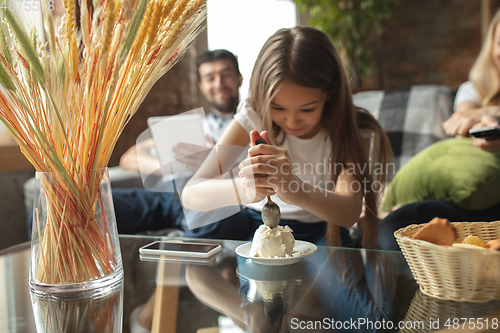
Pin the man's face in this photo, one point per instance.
(219, 83)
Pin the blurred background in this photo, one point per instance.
(403, 43)
(386, 45)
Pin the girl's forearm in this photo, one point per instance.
(202, 194)
(340, 209)
(206, 190)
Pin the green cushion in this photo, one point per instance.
(453, 170)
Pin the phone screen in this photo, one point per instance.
(183, 247)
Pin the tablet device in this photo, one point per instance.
(181, 249)
(488, 132)
(169, 131)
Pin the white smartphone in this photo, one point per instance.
(197, 250)
(178, 259)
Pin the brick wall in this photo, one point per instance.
(174, 93)
(427, 42)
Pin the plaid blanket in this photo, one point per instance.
(411, 117)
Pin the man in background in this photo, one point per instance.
(139, 210)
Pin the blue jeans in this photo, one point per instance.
(139, 210)
(423, 212)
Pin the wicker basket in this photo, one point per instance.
(454, 273)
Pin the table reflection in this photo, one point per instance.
(278, 288)
(331, 286)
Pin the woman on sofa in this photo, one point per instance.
(477, 104)
(480, 96)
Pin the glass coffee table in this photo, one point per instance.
(334, 289)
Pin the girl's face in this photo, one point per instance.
(298, 109)
(495, 51)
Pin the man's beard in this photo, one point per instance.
(229, 106)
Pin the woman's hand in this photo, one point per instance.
(468, 115)
(461, 122)
(269, 169)
(489, 145)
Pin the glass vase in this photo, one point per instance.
(91, 311)
(74, 244)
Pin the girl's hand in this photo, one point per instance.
(249, 193)
(268, 168)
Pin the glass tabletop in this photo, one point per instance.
(334, 289)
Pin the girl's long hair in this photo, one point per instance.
(307, 57)
(484, 75)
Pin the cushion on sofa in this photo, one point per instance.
(411, 117)
(453, 170)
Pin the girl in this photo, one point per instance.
(480, 96)
(315, 164)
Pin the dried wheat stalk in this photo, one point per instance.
(67, 101)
